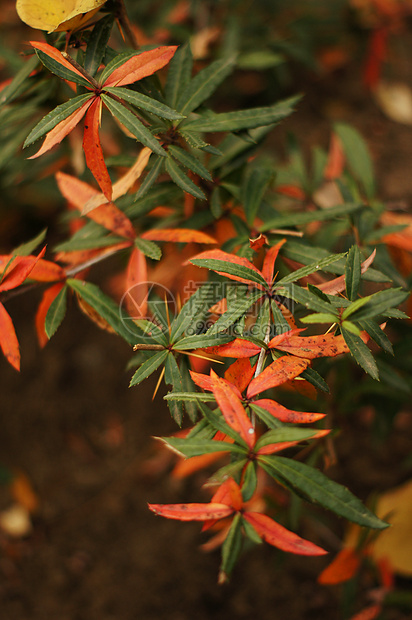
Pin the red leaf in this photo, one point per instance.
(141, 66)
(280, 371)
(287, 415)
(369, 613)
(311, 347)
(186, 467)
(240, 373)
(282, 445)
(278, 536)
(378, 45)
(228, 398)
(93, 149)
(269, 262)
(108, 215)
(179, 235)
(192, 512)
(203, 381)
(43, 270)
(136, 285)
(258, 242)
(53, 53)
(342, 568)
(8, 339)
(49, 296)
(336, 160)
(60, 131)
(20, 269)
(229, 493)
(230, 258)
(292, 191)
(237, 348)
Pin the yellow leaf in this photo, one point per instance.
(57, 15)
(395, 543)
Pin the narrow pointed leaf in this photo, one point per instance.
(145, 103)
(311, 347)
(48, 297)
(238, 348)
(140, 65)
(178, 235)
(195, 306)
(361, 353)
(232, 409)
(190, 162)
(97, 43)
(278, 536)
(317, 488)
(237, 310)
(377, 334)
(56, 312)
(231, 548)
(8, 339)
(287, 415)
(353, 273)
(280, 371)
(149, 249)
(200, 341)
(93, 150)
(269, 261)
(235, 267)
(312, 268)
(203, 85)
(12, 90)
(148, 367)
(179, 73)
(287, 434)
(21, 268)
(299, 219)
(377, 304)
(136, 295)
(196, 447)
(243, 119)
(56, 116)
(357, 156)
(179, 177)
(192, 512)
(55, 62)
(132, 123)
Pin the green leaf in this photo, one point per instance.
(27, 248)
(351, 327)
(279, 320)
(321, 215)
(179, 73)
(97, 43)
(317, 488)
(320, 317)
(260, 60)
(190, 162)
(55, 117)
(253, 190)
(353, 273)
(304, 297)
(361, 353)
(286, 433)
(196, 447)
(250, 532)
(132, 123)
(204, 84)
(190, 396)
(357, 156)
(218, 422)
(13, 89)
(265, 416)
(60, 70)
(179, 177)
(377, 334)
(150, 178)
(148, 367)
(234, 269)
(146, 103)
(315, 379)
(105, 307)
(378, 303)
(149, 248)
(249, 482)
(201, 341)
(56, 313)
(196, 306)
(174, 378)
(243, 119)
(305, 271)
(235, 312)
(216, 203)
(231, 548)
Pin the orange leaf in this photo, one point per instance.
(186, 467)
(238, 348)
(136, 285)
(20, 269)
(342, 568)
(53, 53)
(228, 398)
(192, 512)
(292, 191)
(378, 44)
(337, 285)
(369, 613)
(269, 262)
(179, 235)
(49, 296)
(336, 160)
(62, 129)
(278, 536)
(230, 258)
(258, 243)
(287, 415)
(93, 149)
(141, 66)
(281, 370)
(311, 347)
(229, 493)
(240, 373)
(8, 339)
(108, 215)
(23, 493)
(203, 381)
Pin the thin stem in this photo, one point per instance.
(79, 68)
(124, 21)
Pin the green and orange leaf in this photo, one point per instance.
(140, 66)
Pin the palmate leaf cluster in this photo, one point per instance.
(264, 285)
